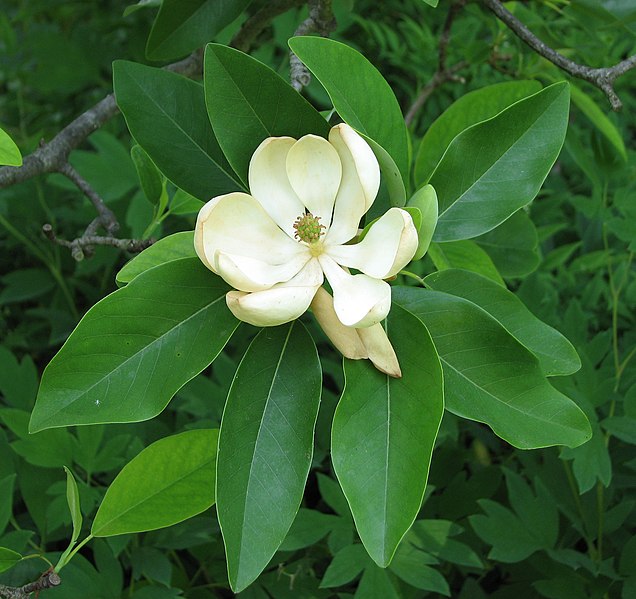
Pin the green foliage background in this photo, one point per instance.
(496, 521)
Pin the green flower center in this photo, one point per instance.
(308, 229)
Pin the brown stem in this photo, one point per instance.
(48, 580)
(603, 77)
(320, 20)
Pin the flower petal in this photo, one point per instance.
(281, 303)
(315, 171)
(359, 185)
(270, 185)
(345, 339)
(386, 249)
(380, 350)
(237, 224)
(250, 274)
(359, 300)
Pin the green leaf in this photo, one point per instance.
(591, 462)
(434, 537)
(432, 3)
(383, 434)
(183, 203)
(9, 153)
(73, 501)
(359, 93)
(185, 25)
(166, 115)
(136, 348)
(464, 254)
(490, 377)
(8, 558)
(345, 566)
(492, 169)
(308, 528)
(266, 447)
(556, 355)
(411, 565)
(152, 181)
(424, 200)
(471, 108)
(168, 482)
(598, 118)
(512, 245)
(168, 249)
(621, 427)
(376, 583)
(248, 102)
(6, 500)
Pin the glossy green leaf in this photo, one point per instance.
(136, 348)
(9, 153)
(183, 203)
(6, 500)
(492, 169)
(168, 482)
(490, 377)
(383, 434)
(168, 249)
(151, 180)
(359, 93)
(185, 25)
(8, 558)
(425, 200)
(411, 565)
(512, 245)
(166, 115)
(471, 108)
(464, 254)
(266, 447)
(556, 355)
(434, 537)
(73, 501)
(432, 3)
(345, 566)
(248, 102)
(598, 118)
(376, 583)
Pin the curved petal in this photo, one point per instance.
(359, 185)
(387, 248)
(250, 274)
(282, 303)
(314, 171)
(380, 350)
(270, 185)
(345, 339)
(237, 224)
(359, 300)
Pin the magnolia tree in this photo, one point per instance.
(312, 224)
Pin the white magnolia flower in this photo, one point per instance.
(276, 246)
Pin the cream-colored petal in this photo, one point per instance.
(250, 274)
(315, 171)
(359, 300)
(359, 185)
(386, 249)
(270, 185)
(282, 303)
(345, 339)
(237, 224)
(380, 350)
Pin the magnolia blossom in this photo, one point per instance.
(276, 246)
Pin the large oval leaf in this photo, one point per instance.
(555, 353)
(490, 377)
(383, 434)
(168, 482)
(471, 108)
(9, 153)
(184, 25)
(495, 167)
(166, 115)
(248, 102)
(266, 446)
(136, 348)
(359, 93)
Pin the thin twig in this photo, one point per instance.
(320, 20)
(443, 73)
(48, 580)
(82, 246)
(603, 77)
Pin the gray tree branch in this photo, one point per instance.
(603, 77)
(48, 580)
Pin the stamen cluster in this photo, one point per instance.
(308, 229)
